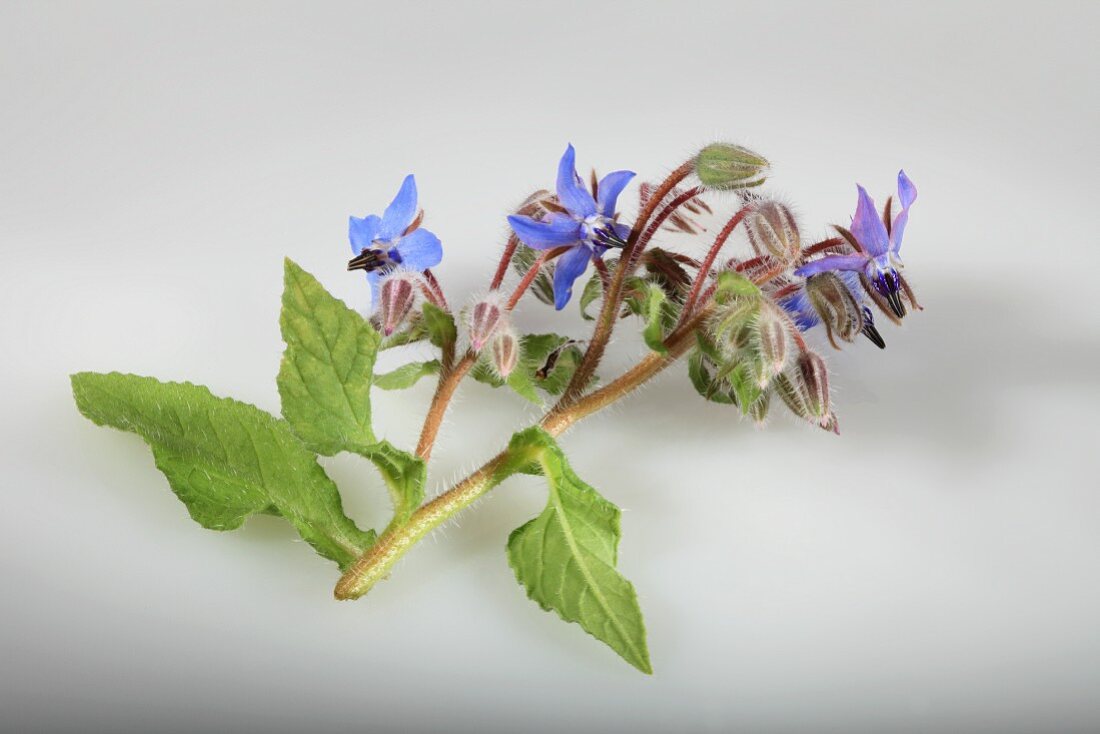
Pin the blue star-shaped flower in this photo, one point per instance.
(394, 240)
(587, 226)
(879, 242)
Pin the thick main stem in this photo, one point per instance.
(377, 562)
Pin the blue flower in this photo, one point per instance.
(394, 240)
(587, 226)
(878, 241)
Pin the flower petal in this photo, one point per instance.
(399, 214)
(833, 262)
(362, 232)
(608, 190)
(420, 250)
(571, 192)
(907, 194)
(566, 270)
(867, 226)
(542, 235)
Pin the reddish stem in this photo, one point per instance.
(529, 276)
(822, 246)
(708, 262)
(505, 261)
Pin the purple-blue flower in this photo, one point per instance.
(394, 240)
(587, 227)
(879, 242)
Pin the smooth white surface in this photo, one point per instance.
(933, 569)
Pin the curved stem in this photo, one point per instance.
(505, 261)
(605, 322)
(376, 563)
(444, 390)
(708, 262)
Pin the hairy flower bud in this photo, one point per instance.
(485, 318)
(806, 391)
(732, 327)
(773, 231)
(727, 167)
(505, 351)
(840, 312)
(398, 296)
(769, 339)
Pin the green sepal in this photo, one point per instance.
(325, 376)
(224, 459)
(565, 558)
(731, 285)
(705, 372)
(406, 375)
(657, 310)
(440, 325)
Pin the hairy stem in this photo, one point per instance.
(505, 261)
(376, 563)
(708, 262)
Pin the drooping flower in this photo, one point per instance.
(393, 241)
(835, 300)
(878, 243)
(586, 225)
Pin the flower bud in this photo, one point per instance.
(806, 391)
(485, 319)
(505, 352)
(773, 231)
(398, 296)
(834, 303)
(727, 167)
(732, 325)
(759, 409)
(769, 339)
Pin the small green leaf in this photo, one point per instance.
(224, 459)
(440, 325)
(656, 315)
(406, 375)
(325, 377)
(565, 558)
(732, 285)
(404, 475)
(593, 290)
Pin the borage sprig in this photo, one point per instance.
(740, 319)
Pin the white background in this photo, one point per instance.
(932, 569)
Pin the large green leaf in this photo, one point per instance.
(565, 558)
(325, 377)
(325, 382)
(224, 459)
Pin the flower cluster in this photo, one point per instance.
(746, 313)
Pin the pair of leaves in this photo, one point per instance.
(227, 460)
(565, 558)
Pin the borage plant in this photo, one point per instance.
(740, 320)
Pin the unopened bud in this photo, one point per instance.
(759, 409)
(485, 319)
(815, 380)
(773, 231)
(806, 391)
(505, 352)
(839, 310)
(769, 333)
(726, 167)
(398, 296)
(732, 325)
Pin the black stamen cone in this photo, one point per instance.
(894, 299)
(366, 260)
(871, 333)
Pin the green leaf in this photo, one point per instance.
(404, 475)
(406, 375)
(705, 372)
(325, 377)
(224, 459)
(593, 290)
(440, 325)
(325, 381)
(733, 285)
(565, 558)
(656, 316)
